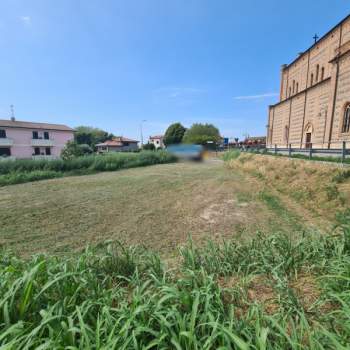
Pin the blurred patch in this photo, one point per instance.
(187, 152)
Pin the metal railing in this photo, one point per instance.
(340, 149)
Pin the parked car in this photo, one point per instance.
(187, 152)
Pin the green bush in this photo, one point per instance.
(149, 147)
(19, 171)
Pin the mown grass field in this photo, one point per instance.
(158, 206)
(263, 269)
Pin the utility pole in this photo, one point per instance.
(141, 131)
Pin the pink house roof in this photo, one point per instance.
(32, 125)
(156, 137)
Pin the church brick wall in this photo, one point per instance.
(314, 91)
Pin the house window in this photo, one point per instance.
(126, 144)
(37, 151)
(322, 73)
(48, 151)
(2, 134)
(35, 135)
(346, 121)
(46, 135)
(317, 72)
(312, 79)
(5, 152)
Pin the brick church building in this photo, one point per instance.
(314, 106)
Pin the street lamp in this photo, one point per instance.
(141, 132)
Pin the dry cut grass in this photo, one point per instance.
(322, 189)
(158, 206)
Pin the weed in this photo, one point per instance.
(122, 297)
(332, 192)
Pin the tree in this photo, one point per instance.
(91, 136)
(73, 150)
(174, 134)
(200, 134)
(149, 147)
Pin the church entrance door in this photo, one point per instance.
(308, 140)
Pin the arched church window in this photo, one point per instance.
(322, 73)
(286, 133)
(293, 86)
(346, 120)
(317, 72)
(312, 79)
(297, 88)
(290, 91)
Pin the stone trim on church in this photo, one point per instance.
(314, 106)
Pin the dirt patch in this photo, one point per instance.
(216, 212)
(309, 294)
(260, 291)
(243, 293)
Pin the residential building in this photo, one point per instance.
(157, 141)
(314, 103)
(118, 144)
(29, 140)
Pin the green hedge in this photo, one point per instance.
(20, 171)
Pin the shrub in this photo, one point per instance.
(149, 147)
(20, 171)
(36, 175)
(73, 149)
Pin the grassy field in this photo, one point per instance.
(157, 206)
(227, 287)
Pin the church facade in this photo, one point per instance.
(314, 103)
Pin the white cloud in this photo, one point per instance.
(182, 96)
(178, 92)
(257, 97)
(26, 20)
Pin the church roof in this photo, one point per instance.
(319, 40)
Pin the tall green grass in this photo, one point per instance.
(233, 154)
(19, 171)
(113, 297)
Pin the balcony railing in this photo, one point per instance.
(42, 156)
(6, 142)
(42, 143)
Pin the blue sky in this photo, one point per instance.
(113, 63)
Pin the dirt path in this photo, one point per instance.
(158, 206)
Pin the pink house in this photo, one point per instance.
(27, 140)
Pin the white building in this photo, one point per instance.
(157, 141)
